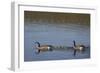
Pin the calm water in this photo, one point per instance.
(57, 35)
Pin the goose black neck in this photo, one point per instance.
(38, 44)
(74, 43)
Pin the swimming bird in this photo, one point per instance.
(80, 48)
(41, 48)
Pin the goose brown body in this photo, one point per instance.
(41, 48)
(44, 47)
(79, 47)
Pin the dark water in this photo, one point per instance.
(57, 35)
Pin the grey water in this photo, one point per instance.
(61, 34)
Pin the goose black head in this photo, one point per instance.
(37, 43)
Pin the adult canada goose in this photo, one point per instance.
(80, 48)
(43, 47)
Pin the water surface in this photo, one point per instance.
(56, 33)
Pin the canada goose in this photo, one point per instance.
(43, 47)
(80, 48)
